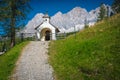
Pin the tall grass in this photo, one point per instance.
(8, 60)
(93, 55)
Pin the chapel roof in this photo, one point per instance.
(46, 16)
(51, 24)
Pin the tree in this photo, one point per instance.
(11, 14)
(102, 13)
(116, 6)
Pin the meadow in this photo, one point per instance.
(91, 54)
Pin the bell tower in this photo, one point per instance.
(46, 18)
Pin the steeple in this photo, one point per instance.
(46, 17)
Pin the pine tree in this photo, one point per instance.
(11, 13)
(116, 6)
(102, 13)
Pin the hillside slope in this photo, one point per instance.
(93, 54)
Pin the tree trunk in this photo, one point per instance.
(13, 23)
(12, 32)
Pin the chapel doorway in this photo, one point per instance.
(47, 35)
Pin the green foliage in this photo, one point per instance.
(11, 14)
(93, 55)
(116, 6)
(86, 26)
(102, 13)
(8, 60)
(5, 43)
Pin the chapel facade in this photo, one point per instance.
(46, 31)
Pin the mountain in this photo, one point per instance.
(68, 22)
(30, 27)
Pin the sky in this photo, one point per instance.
(53, 6)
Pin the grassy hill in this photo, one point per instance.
(8, 60)
(93, 54)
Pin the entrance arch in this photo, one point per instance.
(45, 34)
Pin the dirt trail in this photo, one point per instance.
(33, 63)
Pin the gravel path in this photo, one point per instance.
(33, 63)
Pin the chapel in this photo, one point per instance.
(46, 30)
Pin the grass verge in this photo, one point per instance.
(93, 55)
(8, 60)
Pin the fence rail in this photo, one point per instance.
(20, 37)
(5, 41)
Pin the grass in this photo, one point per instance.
(8, 60)
(93, 55)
